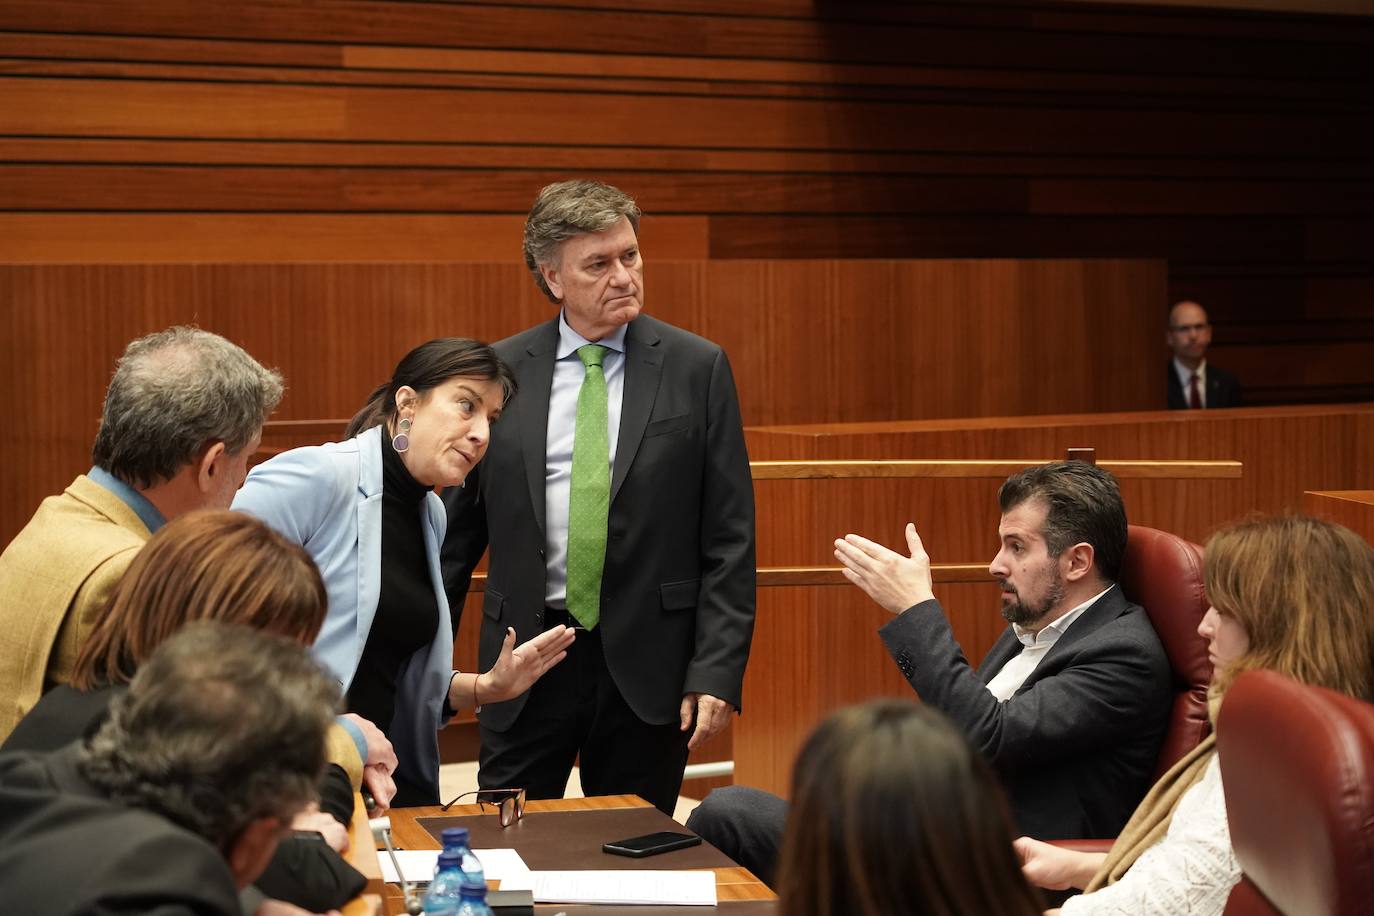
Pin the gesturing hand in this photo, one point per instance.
(517, 668)
(894, 581)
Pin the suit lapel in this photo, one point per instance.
(1104, 610)
(643, 369)
(1176, 397)
(369, 533)
(535, 375)
(1002, 651)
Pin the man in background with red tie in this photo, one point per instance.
(1193, 384)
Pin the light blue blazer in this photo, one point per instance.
(328, 499)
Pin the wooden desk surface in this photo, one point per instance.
(735, 884)
(362, 854)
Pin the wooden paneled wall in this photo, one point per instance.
(816, 647)
(883, 338)
(1352, 508)
(1234, 145)
(1284, 451)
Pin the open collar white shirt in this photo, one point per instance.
(1034, 646)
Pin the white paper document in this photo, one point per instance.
(418, 864)
(682, 888)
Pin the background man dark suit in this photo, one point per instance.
(642, 536)
(1194, 384)
(1070, 704)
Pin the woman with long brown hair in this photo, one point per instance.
(228, 567)
(1290, 594)
(209, 565)
(893, 814)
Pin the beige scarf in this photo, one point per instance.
(1152, 817)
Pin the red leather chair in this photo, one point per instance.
(1297, 764)
(1163, 574)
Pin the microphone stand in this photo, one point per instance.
(381, 831)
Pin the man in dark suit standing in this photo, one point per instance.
(1071, 703)
(615, 498)
(1193, 384)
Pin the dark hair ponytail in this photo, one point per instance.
(373, 412)
(427, 367)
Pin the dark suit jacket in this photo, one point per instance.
(677, 593)
(303, 871)
(1077, 744)
(66, 849)
(62, 716)
(1223, 389)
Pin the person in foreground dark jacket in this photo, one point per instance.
(178, 800)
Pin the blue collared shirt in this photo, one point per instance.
(147, 513)
(568, 372)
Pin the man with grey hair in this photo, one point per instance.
(616, 498)
(183, 414)
(180, 798)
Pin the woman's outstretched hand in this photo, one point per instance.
(517, 668)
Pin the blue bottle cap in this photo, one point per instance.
(452, 836)
(450, 860)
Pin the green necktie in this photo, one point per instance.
(590, 500)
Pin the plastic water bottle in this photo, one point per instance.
(474, 900)
(455, 840)
(445, 893)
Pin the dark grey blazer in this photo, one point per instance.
(677, 595)
(1076, 746)
(66, 849)
(1223, 389)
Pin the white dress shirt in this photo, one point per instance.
(568, 373)
(1014, 673)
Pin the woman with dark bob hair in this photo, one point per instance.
(366, 511)
(894, 815)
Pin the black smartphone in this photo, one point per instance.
(651, 844)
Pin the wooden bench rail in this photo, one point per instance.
(972, 468)
(782, 576)
(941, 573)
(294, 431)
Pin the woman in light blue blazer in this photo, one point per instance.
(366, 511)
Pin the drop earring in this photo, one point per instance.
(401, 441)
